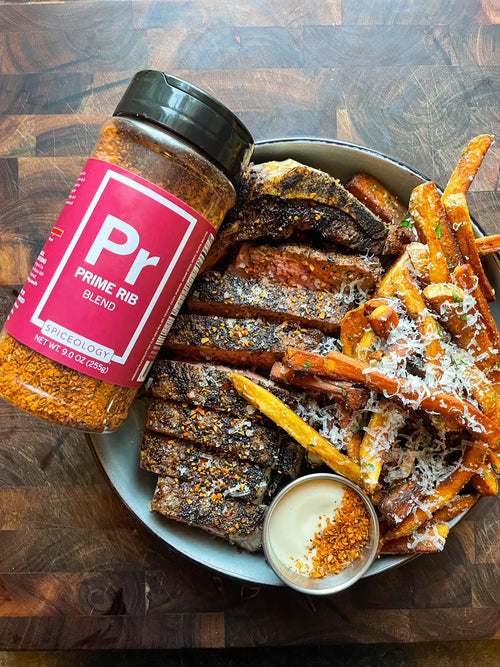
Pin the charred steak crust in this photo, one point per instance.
(195, 464)
(203, 506)
(279, 219)
(201, 384)
(289, 179)
(245, 437)
(208, 386)
(233, 296)
(245, 343)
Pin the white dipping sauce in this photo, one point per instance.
(296, 518)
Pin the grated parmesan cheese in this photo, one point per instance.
(428, 535)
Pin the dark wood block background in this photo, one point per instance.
(415, 79)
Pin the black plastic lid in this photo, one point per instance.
(192, 114)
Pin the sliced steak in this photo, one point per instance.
(204, 507)
(245, 343)
(199, 383)
(277, 199)
(208, 386)
(281, 219)
(188, 462)
(289, 179)
(290, 457)
(226, 294)
(244, 437)
(300, 265)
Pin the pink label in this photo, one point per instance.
(112, 275)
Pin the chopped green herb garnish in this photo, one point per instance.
(361, 424)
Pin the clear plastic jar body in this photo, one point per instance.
(55, 392)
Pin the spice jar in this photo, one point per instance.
(104, 290)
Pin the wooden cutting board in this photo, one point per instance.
(412, 80)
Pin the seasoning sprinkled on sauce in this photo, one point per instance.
(319, 528)
(340, 540)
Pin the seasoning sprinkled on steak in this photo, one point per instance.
(245, 436)
(203, 506)
(245, 343)
(300, 265)
(289, 179)
(232, 296)
(208, 386)
(280, 220)
(277, 199)
(195, 464)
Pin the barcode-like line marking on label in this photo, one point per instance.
(168, 324)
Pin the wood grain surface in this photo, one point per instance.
(415, 79)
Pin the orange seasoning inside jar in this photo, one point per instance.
(105, 288)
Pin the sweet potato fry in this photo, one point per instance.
(390, 283)
(431, 335)
(428, 539)
(483, 391)
(430, 219)
(383, 319)
(484, 480)
(463, 320)
(379, 436)
(357, 337)
(377, 198)
(365, 347)
(309, 438)
(352, 446)
(444, 492)
(456, 506)
(494, 459)
(352, 437)
(412, 393)
(448, 302)
(466, 279)
(352, 327)
(458, 214)
(418, 255)
(415, 305)
(387, 207)
(488, 245)
(474, 340)
(370, 305)
(468, 165)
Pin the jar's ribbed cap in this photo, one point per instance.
(191, 113)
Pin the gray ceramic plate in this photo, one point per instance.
(118, 452)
